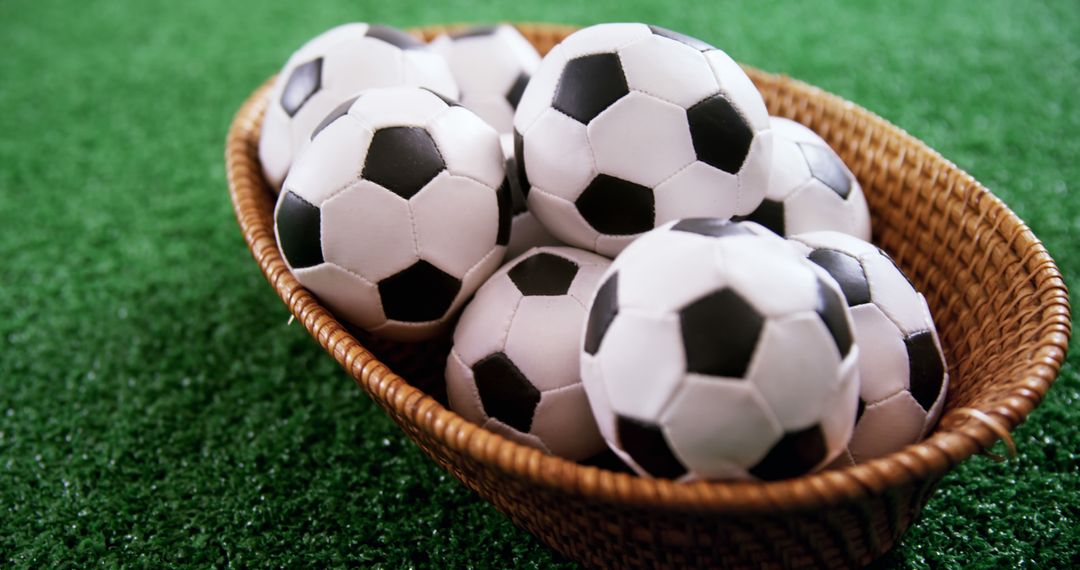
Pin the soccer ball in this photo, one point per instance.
(627, 126)
(397, 211)
(514, 366)
(526, 232)
(714, 351)
(328, 69)
(810, 188)
(904, 378)
(492, 66)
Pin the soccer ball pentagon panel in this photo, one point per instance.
(332, 67)
(627, 126)
(713, 350)
(904, 378)
(397, 211)
(492, 65)
(526, 232)
(514, 365)
(810, 188)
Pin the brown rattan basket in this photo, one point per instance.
(998, 298)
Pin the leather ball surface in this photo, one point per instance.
(901, 364)
(627, 126)
(526, 231)
(713, 350)
(810, 188)
(492, 66)
(332, 67)
(514, 365)
(397, 212)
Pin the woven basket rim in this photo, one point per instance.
(959, 435)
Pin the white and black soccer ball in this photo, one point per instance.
(526, 232)
(332, 67)
(397, 212)
(713, 350)
(902, 368)
(514, 366)
(810, 189)
(492, 66)
(627, 126)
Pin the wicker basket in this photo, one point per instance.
(998, 298)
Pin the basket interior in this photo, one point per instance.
(997, 298)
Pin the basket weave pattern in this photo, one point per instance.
(997, 296)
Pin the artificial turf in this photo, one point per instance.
(157, 410)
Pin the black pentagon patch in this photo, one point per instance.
(645, 443)
(588, 85)
(847, 271)
(614, 206)
(720, 332)
(712, 227)
(927, 367)
(770, 214)
(543, 274)
(418, 294)
(795, 454)
(681, 38)
(721, 136)
(474, 32)
(504, 196)
(449, 102)
(827, 167)
(517, 89)
(860, 410)
(402, 160)
(831, 310)
(522, 179)
(604, 309)
(334, 115)
(394, 37)
(507, 395)
(303, 82)
(299, 226)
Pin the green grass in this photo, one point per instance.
(155, 408)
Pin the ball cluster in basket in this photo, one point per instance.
(711, 347)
